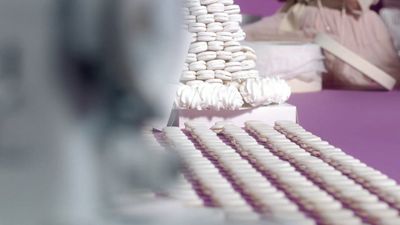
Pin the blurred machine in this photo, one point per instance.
(77, 82)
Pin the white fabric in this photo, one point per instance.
(288, 60)
(391, 17)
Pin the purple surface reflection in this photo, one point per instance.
(366, 125)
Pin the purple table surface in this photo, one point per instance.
(259, 7)
(365, 125)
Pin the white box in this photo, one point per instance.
(267, 114)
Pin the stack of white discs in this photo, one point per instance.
(215, 54)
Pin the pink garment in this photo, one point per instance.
(365, 35)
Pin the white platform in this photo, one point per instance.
(267, 114)
(299, 86)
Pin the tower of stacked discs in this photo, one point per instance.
(217, 61)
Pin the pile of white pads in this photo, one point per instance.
(219, 72)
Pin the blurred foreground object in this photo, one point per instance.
(78, 78)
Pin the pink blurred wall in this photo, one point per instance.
(259, 7)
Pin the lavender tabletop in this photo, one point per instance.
(259, 7)
(366, 125)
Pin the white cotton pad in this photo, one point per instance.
(207, 56)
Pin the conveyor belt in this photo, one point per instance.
(282, 174)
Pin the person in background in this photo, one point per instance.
(350, 22)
